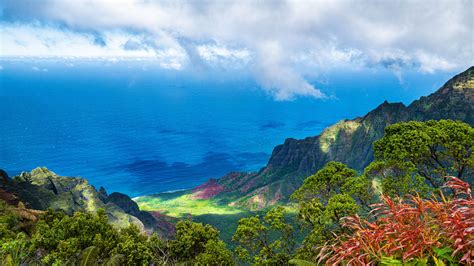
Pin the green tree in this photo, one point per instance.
(195, 242)
(267, 241)
(215, 253)
(324, 198)
(324, 221)
(325, 182)
(398, 179)
(134, 246)
(414, 155)
(63, 237)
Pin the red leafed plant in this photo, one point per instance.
(410, 230)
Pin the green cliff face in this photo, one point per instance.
(42, 189)
(349, 142)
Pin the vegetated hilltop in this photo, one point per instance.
(42, 189)
(349, 142)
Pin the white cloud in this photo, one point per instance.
(279, 79)
(430, 63)
(217, 53)
(48, 41)
(282, 41)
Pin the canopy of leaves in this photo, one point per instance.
(325, 182)
(62, 237)
(413, 153)
(267, 241)
(332, 193)
(89, 239)
(200, 242)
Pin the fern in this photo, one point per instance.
(115, 260)
(89, 256)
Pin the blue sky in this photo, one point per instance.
(282, 44)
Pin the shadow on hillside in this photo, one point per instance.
(227, 224)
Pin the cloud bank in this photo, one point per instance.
(281, 42)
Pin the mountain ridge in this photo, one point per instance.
(348, 141)
(42, 189)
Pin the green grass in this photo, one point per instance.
(183, 205)
(208, 211)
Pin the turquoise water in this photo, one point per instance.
(134, 128)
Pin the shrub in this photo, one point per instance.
(409, 231)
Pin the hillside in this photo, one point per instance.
(42, 189)
(349, 142)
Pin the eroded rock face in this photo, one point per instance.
(349, 142)
(43, 189)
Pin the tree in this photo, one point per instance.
(330, 194)
(324, 222)
(196, 242)
(325, 182)
(411, 152)
(398, 179)
(88, 239)
(63, 237)
(215, 253)
(134, 246)
(267, 241)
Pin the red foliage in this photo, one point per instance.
(408, 229)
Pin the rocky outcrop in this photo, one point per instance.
(152, 223)
(349, 142)
(42, 189)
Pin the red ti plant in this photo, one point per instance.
(409, 231)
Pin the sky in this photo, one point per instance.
(283, 44)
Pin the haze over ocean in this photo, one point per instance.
(135, 128)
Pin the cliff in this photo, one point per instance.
(349, 142)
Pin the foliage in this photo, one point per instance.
(200, 242)
(325, 222)
(340, 205)
(325, 183)
(134, 246)
(62, 237)
(299, 262)
(191, 239)
(267, 241)
(14, 245)
(89, 239)
(215, 253)
(333, 192)
(398, 179)
(409, 231)
(412, 153)
(411, 159)
(15, 251)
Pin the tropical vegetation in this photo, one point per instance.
(412, 205)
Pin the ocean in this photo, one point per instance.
(135, 128)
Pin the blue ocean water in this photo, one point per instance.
(135, 128)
